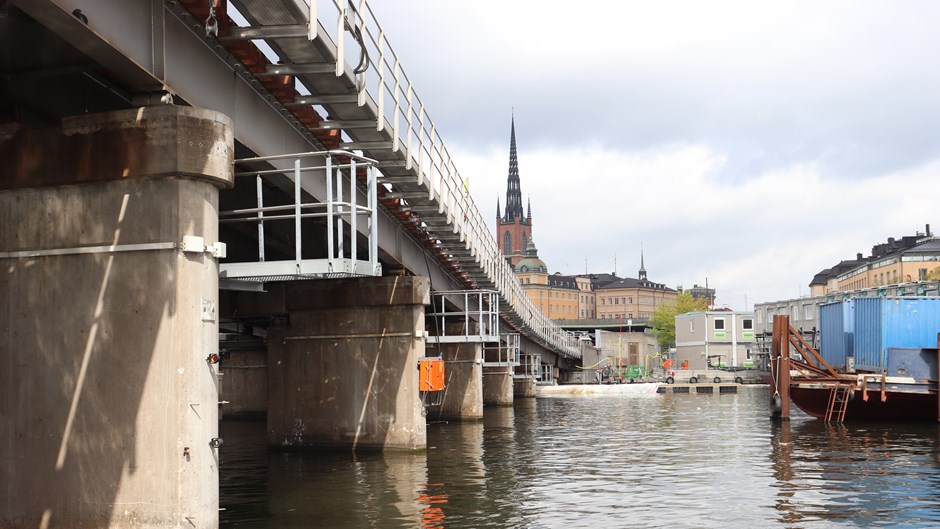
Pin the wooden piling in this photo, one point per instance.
(780, 366)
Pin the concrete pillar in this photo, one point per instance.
(497, 386)
(244, 386)
(343, 371)
(463, 380)
(107, 400)
(523, 388)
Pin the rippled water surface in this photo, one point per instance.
(596, 462)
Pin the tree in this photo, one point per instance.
(934, 274)
(663, 321)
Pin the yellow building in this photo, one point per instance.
(906, 266)
(629, 298)
(908, 259)
(556, 296)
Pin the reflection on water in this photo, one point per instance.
(630, 461)
(831, 474)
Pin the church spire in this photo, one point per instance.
(513, 190)
(497, 208)
(642, 274)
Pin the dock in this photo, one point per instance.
(721, 388)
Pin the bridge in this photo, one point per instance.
(240, 208)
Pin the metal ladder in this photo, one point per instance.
(838, 402)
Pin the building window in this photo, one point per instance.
(807, 312)
(922, 274)
(760, 316)
(747, 324)
(525, 241)
(719, 324)
(507, 243)
(616, 301)
(795, 312)
(603, 301)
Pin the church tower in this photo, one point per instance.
(514, 228)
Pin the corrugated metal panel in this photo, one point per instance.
(911, 322)
(868, 348)
(893, 322)
(836, 322)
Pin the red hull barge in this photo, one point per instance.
(899, 405)
(806, 379)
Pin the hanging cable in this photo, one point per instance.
(357, 36)
(212, 23)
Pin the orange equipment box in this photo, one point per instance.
(431, 374)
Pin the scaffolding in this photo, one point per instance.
(505, 353)
(346, 176)
(464, 316)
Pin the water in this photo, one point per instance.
(595, 462)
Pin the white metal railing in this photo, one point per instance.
(546, 374)
(380, 80)
(413, 130)
(504, 353)
(338, 170)
(476, 312)
(529, 366)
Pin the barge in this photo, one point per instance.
(878, 361)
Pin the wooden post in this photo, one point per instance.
(774, 362)
(783, 378)
(780, 367)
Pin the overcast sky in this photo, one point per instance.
(750, 143)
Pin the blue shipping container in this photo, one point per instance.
(881, 323)
(836, 325)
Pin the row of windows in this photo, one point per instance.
(628, 300)
(808, 313)
(719, 324)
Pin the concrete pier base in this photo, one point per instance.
(497, 386)
(244, 387)
(108, 404)
(523, 388)
(343, 371)
(463, 392)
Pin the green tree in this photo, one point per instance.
(934, 275)
(663, 321)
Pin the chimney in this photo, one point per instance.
(890, 240)
(858, 257)
(928, 231)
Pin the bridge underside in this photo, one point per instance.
(111, 336)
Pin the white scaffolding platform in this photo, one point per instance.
(477, 312)
(339, 171)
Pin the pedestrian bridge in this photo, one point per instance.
(339, 80)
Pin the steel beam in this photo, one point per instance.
(120, 37)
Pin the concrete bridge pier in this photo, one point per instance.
(497, 385)
(108, 398)
(463, 391)
(523, 388)
(343, 370)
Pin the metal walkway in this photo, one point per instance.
(371, 108)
